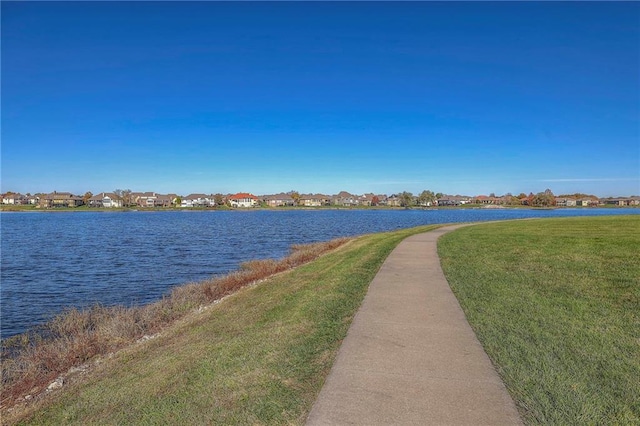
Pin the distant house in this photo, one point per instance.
(135, 197)
(173, 199)
(243, 200)
(614, 202)
(631, 201)
(394, 201)
(565, 202)
(369, 199)
(164, 200)
(483, 199)
(453, 200)
(343, 198)
(14, 199)
(586, 202)
(105, 199)
(197, 200)
(447, 202)
(96, 200)
(314, 200)
(144, 199)
(60, 199)
(379, 200)
(278, 200)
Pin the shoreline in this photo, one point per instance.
(127, 324)
(301, 208)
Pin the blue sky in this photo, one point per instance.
(464, 98)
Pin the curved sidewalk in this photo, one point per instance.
(410, 356)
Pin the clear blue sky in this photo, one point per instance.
(464, 98)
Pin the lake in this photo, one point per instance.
(54, 260)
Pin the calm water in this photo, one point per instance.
(55, 260)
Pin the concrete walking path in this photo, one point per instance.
(410, 356)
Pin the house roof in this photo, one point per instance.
(313, 197)
(242, 195)
(15, 196)
(144, 194)
(101, 195)
(61, 196)
(344, 194)
(282, 196)
(195, 196)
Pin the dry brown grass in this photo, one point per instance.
(32, 360)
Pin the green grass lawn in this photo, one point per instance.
(556, 305)
(259, 357)
(555, 302)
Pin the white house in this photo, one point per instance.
(565, 202)
(197, 200)
(14, 199)
(105, 199)
(243, 200)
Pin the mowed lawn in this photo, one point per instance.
(556, 305)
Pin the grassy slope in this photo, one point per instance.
(259, 357)
(556, 304)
